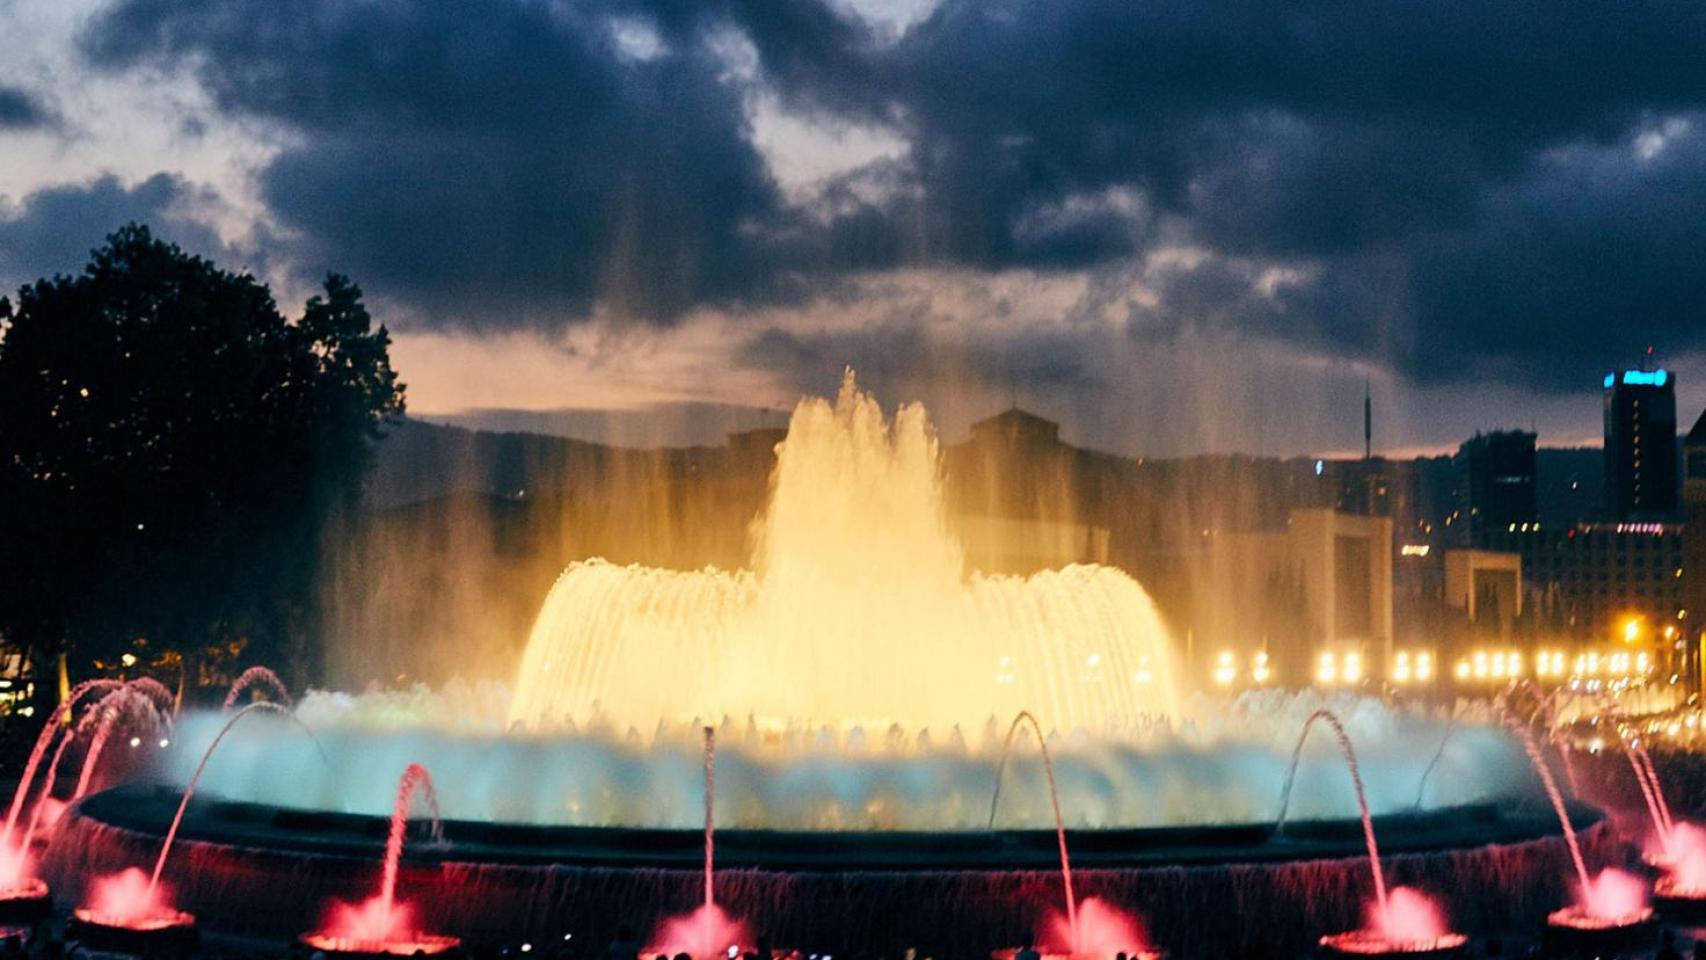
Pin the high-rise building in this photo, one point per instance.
(1640, 445)
(1495, 485)
(1692, 615)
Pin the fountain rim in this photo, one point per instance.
(146, 810)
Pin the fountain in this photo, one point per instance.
(252, 677)
(123, 914)
(856, 667)
(143, 695)
(23, 896)
(708, 931)
(382, 927)
(1611, 908)
(1402, 922)
(1103, 930)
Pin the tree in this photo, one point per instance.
(173, 452)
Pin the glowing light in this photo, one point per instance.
(1353, 667)
(1326, 670)
(1414, 550)
(1259, 670)
(128, 659)
(1644, 378)
(1225, 672)
(706, 932)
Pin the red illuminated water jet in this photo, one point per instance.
(1611, 908)
(130, 912)
(1102, 931)
(708, 931)
(1094, 928)
(23, 896)
(1401, 922)
(127, 913)
(252, 677)
(1411, 925)
(380, 926)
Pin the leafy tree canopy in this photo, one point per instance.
(173, 449)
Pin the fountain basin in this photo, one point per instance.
(1366, 943)
(172, 934)
(352, 948)
(1677, 901)
(263, 871)
(1574, 929)
(1008, 953)
(25, 902)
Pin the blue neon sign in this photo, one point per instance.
(1642, 378)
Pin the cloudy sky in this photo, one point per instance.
(1173, 225)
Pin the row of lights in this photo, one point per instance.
(1346, 668)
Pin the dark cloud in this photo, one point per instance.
(52, 231)
(21, 110)
(1452, 189)
(505, 162)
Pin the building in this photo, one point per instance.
(1640, 445)
(1313, 599)
(1495, 485)
(1486, 585)
(1592, 579)
(1693, 611)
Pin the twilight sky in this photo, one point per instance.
(1173, 225)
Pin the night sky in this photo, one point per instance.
(1173, 225)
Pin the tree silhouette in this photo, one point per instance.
(173, 452)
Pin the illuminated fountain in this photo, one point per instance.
(381, 926)
(1095, 928)
(708, 931)
(857, 611)
(853, 674)
(24, 896)
(1611, 907)
(127, 912)
(254, 677)
(1402, 922)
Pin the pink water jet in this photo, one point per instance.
(381, 925)
(135, 902)
(60, 720)
(1413, 924)
(1398, 921)
(144, 696)
(252, 677)
(1026, 717)
(129, 900)
(708, 931)
(1102, 931)
(1609, 901)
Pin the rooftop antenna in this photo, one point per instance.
(1367, 419)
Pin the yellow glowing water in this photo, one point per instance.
(857, 611)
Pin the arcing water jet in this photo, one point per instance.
(1400, 921)
(381, 925)
(1609, 901)
(256, 676)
